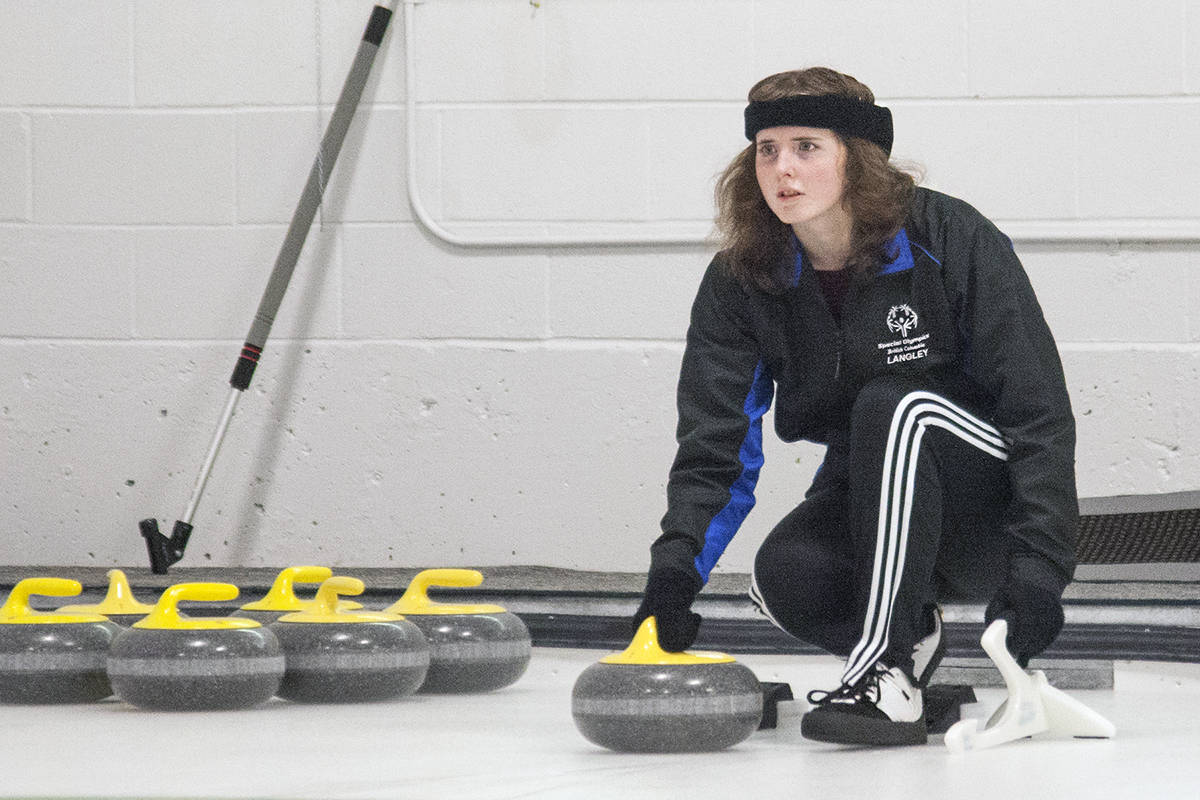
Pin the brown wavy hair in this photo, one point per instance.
(759, 247)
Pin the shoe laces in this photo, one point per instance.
(866, 689)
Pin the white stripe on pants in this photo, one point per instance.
(916, 412)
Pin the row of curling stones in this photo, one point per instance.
(168, 661)
(648, 700)
(472, 648)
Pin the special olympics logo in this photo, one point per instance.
(901, 320)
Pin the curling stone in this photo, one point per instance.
(647, 700)
(281, 598)
(172, 662)
(52, 657)
(119, 605)
(348, 656)
(473, 648)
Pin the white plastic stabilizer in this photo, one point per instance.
(1033, 706)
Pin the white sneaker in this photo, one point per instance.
(928, 652)
(884, 708)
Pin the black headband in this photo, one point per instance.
(838, 113)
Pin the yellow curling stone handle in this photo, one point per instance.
(17, 611)
(326, 607)
(119, 600)
(282, 594)
(166, 614)
(415, 599)
(644, 649)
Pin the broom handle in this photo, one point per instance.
(310, 199)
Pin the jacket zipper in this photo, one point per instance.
(837, 364)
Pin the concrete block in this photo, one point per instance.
(14, 167)
(452, 453)
(1096, 293)
(205, 53)
(689, 148)
(1012, 182)
(463, 454)
(67, 283)
(370, 181)
(671, 49)
(60, 53)
(427, 182)
(133, 168)
(206, 283)
(544, 164)
(1031, 49)
(506, 41)
(515, 451)
(1191, 55)
(606, 295)
(400, 283)
(1135, 418)
(95, 431)
(1193, 305)
(895, 49)
(1157, 177)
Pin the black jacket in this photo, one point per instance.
(954, 310)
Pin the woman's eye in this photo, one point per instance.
(805, 147)
(766, 150)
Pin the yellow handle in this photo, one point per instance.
(119, 591)
(327, 607)
(644, 649)
(326, 601)
(415, 599)
(17, 604)
(166, 610)
(118, 600)
(284, 587)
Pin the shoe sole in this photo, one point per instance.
(839, 728)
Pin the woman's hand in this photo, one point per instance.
(1034, 615)
(668, 598)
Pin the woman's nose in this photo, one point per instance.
(786, 164)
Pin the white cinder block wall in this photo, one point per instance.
(422, 403)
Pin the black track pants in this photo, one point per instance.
(907, 509)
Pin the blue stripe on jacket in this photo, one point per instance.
(898, 249)
(741, 494)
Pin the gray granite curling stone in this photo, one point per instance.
(170, 662)
(52, 657)
(474, 648)
(281, 598)
(646, 700)
(119, 604)
(340, 656)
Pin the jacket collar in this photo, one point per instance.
(898, 247)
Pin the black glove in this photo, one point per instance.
(668, 598)
(1034, 615)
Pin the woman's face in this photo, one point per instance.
(802, 174)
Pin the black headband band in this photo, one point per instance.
(838, 113)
